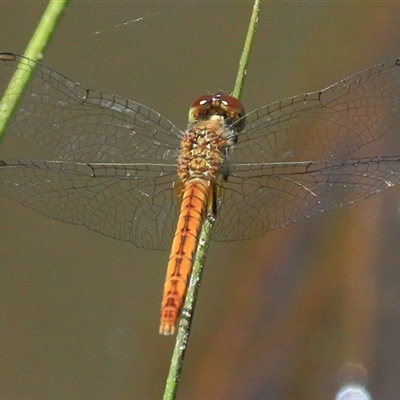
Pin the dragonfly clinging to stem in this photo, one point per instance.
(118, 164)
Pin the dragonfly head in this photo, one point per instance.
(218, 104)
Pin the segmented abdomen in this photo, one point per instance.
(191, 217)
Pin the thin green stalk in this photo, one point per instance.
(244, 59)
(182, 335)
(39, 41)
(183, 331)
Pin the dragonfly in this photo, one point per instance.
(124, 170)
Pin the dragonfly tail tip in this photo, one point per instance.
(167, 330)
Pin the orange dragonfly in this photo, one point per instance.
(118, 163)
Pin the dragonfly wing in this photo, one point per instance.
(328, 124)
(131, 202)
(71, 122)
(261, 197)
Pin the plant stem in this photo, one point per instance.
(39, 41)
(244, 59)
(182, 336)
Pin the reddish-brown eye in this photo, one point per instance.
(226, 106)
(202, 100)
(232, 103)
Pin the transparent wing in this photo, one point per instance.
(325, 125)
(278, 176)
(260, 197)
(73, 123)
(131, 202)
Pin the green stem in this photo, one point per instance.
(183, 331)
(182, 335)
(244, 59)
(39, 41)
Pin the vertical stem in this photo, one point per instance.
(183, 331)
(244, 59)
(37, 44)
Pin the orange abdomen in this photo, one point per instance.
(193, 211)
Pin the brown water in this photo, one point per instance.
(79, 311)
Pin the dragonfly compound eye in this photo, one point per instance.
(226, 106)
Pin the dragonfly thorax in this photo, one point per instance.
(203, 149)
